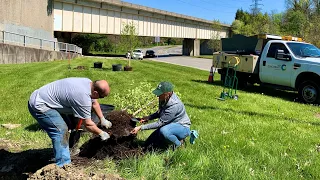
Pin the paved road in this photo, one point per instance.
(198, 63)
(169, 55)
(166, 50)
(173, 55)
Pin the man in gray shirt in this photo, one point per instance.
(173, 124)
(69, 96)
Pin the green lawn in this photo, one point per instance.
(205, 56)
(263, 135)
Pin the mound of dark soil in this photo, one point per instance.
(122, 144)
(121, 123)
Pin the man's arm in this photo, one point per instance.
(103, 121)
(97, 109)
(92, 127)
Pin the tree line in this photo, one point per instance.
(301, 19)
(112, 44)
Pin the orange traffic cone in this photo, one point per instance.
(210, 79)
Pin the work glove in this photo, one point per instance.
(104, 122)
(104, 136)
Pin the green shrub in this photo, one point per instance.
(136, 97)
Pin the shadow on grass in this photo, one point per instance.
(252, 113)
(286, 95)
(19, 165)
(33, 127)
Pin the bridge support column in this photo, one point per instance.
(191, 47)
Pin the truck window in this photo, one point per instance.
(304, 50)
(274, 47)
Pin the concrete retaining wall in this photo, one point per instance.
(10, 54)
(27, 17)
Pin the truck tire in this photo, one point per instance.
(309, 92)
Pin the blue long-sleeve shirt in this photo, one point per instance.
(173, 112)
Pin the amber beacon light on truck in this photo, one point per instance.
(276, 37)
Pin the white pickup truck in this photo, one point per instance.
(282, 62)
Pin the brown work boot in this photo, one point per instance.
(183, 145)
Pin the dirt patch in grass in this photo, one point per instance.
(53, 172)
(38, 163)
(81, 68)
(122, 144)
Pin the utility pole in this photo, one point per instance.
(255, 6)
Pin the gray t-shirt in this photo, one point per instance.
(67, 96)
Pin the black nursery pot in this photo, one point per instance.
(97, 65)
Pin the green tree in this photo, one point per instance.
(85, 41)
(275, 23)
(261, 23)
(129, 39)
(215, 43)
(312, 32)
(250, 24)
(237, 27)
(294, 23)
(304, 6)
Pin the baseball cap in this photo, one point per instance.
(163, 87)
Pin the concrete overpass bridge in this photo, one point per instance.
(109, 17)
(39, 18)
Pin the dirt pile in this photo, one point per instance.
(121, 124)
(122, 144)
(53, 172)
(21, 165)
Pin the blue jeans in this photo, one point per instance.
(173, 132)
(57, 129)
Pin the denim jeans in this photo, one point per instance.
(57, 129)
(173, 132)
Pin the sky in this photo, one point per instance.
(222, 10)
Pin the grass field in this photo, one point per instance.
(263, 135)
(205, 56)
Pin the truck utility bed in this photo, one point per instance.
(248, 49)
(248, 63)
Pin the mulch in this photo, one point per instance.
(122, 144)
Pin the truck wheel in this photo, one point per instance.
(309, 92)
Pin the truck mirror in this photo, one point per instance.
(280, 55)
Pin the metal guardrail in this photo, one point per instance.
(28, 41)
